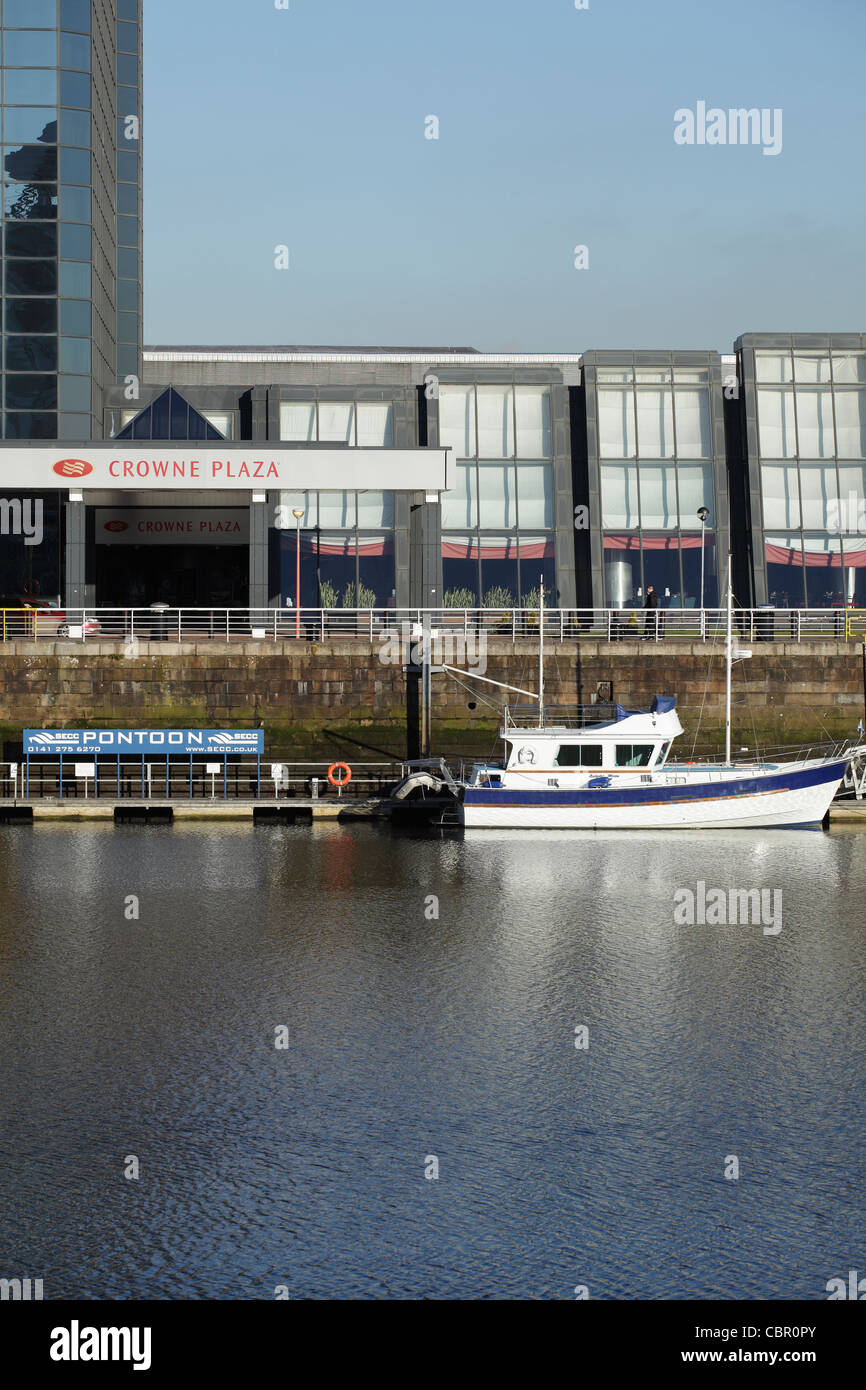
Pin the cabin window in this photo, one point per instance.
(579, 755)
(634, 754)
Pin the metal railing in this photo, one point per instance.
(405, 624)
(181, 778)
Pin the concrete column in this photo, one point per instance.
(76, 555)
(259, 550)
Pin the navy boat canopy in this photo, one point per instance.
(661, 704)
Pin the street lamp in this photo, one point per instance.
(703, 513)
(297, 515)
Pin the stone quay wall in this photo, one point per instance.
(318, 700)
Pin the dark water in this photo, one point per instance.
(411, 1038)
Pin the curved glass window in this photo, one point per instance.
(31, 277)
(75, 51)
(26, 425)
(30, 392)
(74, 14)
(75, 241)
(75, 127)
(75, 166)
(30, 125)
(31, 315)
(30, 14)
(32, 354)
(30, 87)
(74, 89)
(30, 163)
(29, 48)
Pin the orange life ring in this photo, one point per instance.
(338, 781)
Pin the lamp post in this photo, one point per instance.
(297, 515)
(703, 513)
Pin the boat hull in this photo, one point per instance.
(797, 796)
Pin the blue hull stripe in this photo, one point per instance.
(657, 796)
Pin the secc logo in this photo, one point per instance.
(73, 468)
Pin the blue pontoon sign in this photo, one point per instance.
(210, 742)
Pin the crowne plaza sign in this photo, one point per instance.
(138, 465)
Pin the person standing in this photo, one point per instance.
(651, 621)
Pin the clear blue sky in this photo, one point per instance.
(306, 128)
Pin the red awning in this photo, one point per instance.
(638, 543)
(502, 549)
(816, 559)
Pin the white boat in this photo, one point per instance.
(610, 769)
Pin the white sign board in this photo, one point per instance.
(172, 526)
(212, 769)
(85, 770)
(135, 466)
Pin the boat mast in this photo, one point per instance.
(541, 655)
(729, 649)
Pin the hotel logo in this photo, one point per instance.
(73, 468)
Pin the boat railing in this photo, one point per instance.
(558, 716)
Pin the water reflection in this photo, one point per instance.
(413, 1034)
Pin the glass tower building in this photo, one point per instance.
(71, 249)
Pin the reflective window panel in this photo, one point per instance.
(75, 203)
(74, 166)
(127, 297)
(30, 277)
(26, 391)
(75, 241)
(31, 239)
(30, 87)
(127, 165)
(127, 37)
(32, 316)
(75, 317)
(75, 51)
(75, 127)
(127, 199)
(29, 202)
(30, 14)
(75, 355)
(75, 392)
(127, 69)
(75, 14)
(26, 425)
(74, 89)
(31, 354)
(75, 279)
(127, 265)
(30, 163)
(30, 125)
(29, 48)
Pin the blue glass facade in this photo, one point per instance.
(71, 216)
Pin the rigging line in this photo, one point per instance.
(476, 694)
(704, 696)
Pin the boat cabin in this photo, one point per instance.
(605, 741)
